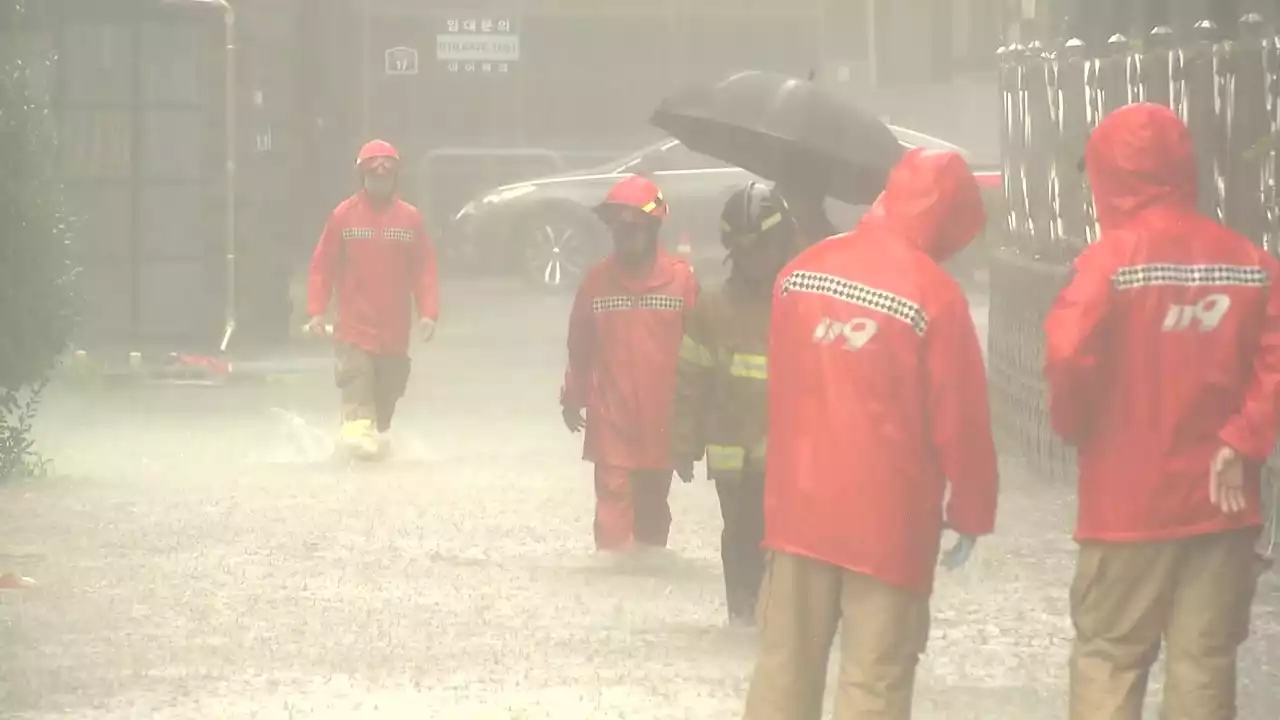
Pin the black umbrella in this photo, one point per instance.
(787, 130)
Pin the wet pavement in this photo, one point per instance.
(200, 556)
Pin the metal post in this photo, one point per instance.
(873, 47)
(229, 100)
(365, 72)
(229, 17)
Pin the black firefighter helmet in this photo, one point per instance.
(754, 217)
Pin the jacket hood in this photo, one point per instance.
(932, 201)
(1139, 156)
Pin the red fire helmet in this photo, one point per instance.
(377, 149)
(638, 192)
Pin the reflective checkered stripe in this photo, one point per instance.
(609, 304)
(803, 281)
(357, 234)
(661, 302)
(643, 302)
(1136, 276)
(398, 234)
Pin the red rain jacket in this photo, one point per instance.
(1165, 345)
(877, 391)
(379, 259)
(624, 341)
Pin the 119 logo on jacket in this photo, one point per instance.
(1206, 314)
(856, 333)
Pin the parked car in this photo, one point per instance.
(543, 230)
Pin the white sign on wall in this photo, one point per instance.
(402, 61)
(478, 48)
(484, 45)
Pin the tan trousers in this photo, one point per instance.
(371, 385)
(883, 632)
(1194, 594)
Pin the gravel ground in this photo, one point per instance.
(200, 556)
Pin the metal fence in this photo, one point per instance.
(1224, 82)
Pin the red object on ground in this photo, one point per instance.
(1166, 344)
(877, 389)
(202, 363)
(10, 581)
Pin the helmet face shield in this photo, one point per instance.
(379, 176)
(617, 214)
(381, 165)
(634, 232)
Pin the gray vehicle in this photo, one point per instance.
(543, 230)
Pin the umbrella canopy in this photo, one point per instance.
(787, 130)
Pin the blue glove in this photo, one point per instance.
(958, 555)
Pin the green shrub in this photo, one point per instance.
(36, 272)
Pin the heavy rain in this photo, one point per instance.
(348, 349)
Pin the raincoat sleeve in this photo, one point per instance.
(960, 419)
(324, 269)
(425, 282)
(695, 374)
(576, 392)
(1252, 431)
(1074, 337)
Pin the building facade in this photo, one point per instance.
(137, 89)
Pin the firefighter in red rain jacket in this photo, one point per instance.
(624, 339)
(1163, 363)
(377, 255)
(877, 398)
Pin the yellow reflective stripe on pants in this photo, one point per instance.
(749, 366)
(691, 351)
(725, 457)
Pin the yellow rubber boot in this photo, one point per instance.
(360, 438)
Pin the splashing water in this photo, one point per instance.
(303, 442)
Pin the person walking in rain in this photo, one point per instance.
(721, 409)
(1163, 365)
(624, 335)
(376, 253)
(877, 398)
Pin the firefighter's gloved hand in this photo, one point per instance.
(958, 555)
(685, 471)
(427, 329)
(1226, 482)
(574, 419)
(316, 326)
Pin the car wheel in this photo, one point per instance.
(558, 248)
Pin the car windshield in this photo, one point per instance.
(671, 154)
(646, 158)
(912, 139)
